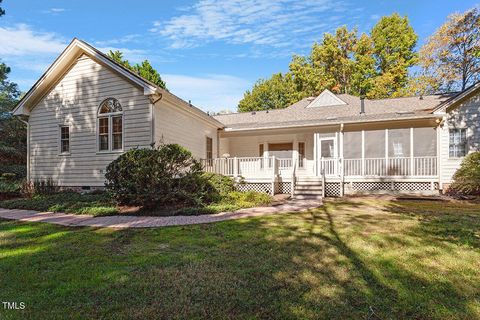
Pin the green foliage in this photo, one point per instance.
(267, 94)
(375, 66)
(8, 176)
(2, 11)
(450, 59)
(167, 175)
(467, 177)
(230, 201)
(13, 134)
(68, 202)
(19, 170)
(144, 69)
(221, 184)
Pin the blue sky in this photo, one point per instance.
(208, 51)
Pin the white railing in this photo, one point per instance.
(285, 163)
(374, 167)
(329, 166)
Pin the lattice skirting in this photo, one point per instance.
(283, 187)
(332, 189)
(393, 186)
(264, 187)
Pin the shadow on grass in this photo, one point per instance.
(351, 259)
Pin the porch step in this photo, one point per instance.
(308, 183)
(308, 187)
(309, 179)
(307, 192)
(307, 197)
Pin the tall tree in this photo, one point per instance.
(266, 94)
(333, 58)
(13, 134)
(364, 71)
(450, 59)
(394, 42)
(144, 69)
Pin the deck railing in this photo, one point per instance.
(373, 167)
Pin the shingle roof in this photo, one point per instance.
(299, 114)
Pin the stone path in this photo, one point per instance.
(146, 222)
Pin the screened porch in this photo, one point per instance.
(402, 153)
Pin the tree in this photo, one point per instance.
(266, 94)
(364, 71)
(2, 12)
(13, 137)
(450, 59)
(394, 41)
(145, 69)
(333, 58)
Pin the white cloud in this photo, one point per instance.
(22, 40)
(212, 92)
(55, 10)
(275, 23)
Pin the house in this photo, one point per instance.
(86, 110)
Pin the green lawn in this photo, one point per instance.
(100, 204)
(357, 258)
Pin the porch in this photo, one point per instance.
(342, 159)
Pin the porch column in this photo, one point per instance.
(412, 162)
(315, 154)
(295, 150)
(363, 152)
(342, 168)
(386, 152)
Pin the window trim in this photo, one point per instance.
(60, 152)
(109, 116)
(207, 139)
(456, 156)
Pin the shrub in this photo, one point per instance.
(19, 170)
(221, 184)
(168, 175)
(8, 176)
(467, 177)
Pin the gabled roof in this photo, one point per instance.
(300, 114)
(459, 97)
(326, 99)
(72, 52)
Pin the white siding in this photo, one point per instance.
(467, 115)
(74, 101)
(174, 125)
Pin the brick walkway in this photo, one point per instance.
(146, 222)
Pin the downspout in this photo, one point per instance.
(28, 147)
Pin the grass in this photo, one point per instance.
(100, 204)
(360, 258)
(69, 202)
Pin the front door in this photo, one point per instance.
(327, 148)
(326, 154)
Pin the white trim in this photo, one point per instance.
(326, 94)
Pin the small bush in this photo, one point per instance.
(9, 176)
(19, 170)
(165, 176)
(467, 177)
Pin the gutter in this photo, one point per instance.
(433, 116)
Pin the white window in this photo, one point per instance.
(457, 143)
(398, 149)
(64, 139)
(110, 125)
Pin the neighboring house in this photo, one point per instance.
(87, 109)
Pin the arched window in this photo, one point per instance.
(110, 125)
